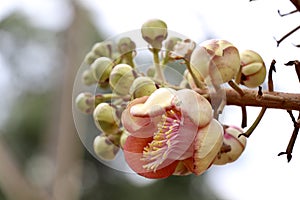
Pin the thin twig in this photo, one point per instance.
(285, 14)
(293, 138)
(270, 76)
(244, 116)
(297, 67)
(287, 35)
(260, 95)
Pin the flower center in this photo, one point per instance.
(163, 140)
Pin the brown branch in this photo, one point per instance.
(244, 116)
(290, 147)
(285, 14)
(277, 100)
(287, 35)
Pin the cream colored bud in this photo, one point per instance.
(126, 45)
(85, 102)
(90, 57)
(154, 32)
(253, 69)
(237, 145)
(121, 79)
(183, 49)
(217, 60)
(88, 77)
(142, 86)
(104, 148)
(103, 49)
(106, 119)
(101, 68)
(171, 42)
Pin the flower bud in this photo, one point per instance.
(104, 148)
(103, 49)
(151, 72)
(142, 86)
(183, 49)
(126, 45)
(253, 69)
(106, 119)
(171, 42)
(154, 32)
(85, 102)
(101, 69)
(216, 59)
(121, 78)
(88, 77)
(237, 145)
(90, 57)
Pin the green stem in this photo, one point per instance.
(158, 70)
(197, 82)
(255, 123)
(166, 59)
(236, 87)
(128, 59)
(100, 98)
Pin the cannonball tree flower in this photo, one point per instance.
(234, 144)
(170, 128)
(253, 69)
(217, 60)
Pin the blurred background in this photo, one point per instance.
(42, 45)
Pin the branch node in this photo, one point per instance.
(288, 155)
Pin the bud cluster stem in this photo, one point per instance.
(158, 69)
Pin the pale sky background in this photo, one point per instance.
(259, 173)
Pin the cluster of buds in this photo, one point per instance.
(165, 129)
(218, 61)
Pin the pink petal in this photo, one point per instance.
(138, 126)
(195, 106)
(133, 152)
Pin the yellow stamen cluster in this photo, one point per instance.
(158, 150)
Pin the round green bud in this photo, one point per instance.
(90, 57)
(85, 102)
(101, 68)
(126, 45)
(88, 77)
(142, 86)
(106, 119)
(151, 71)
(104, 148)
(121, 78)
(103, 49)
(154, 32)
